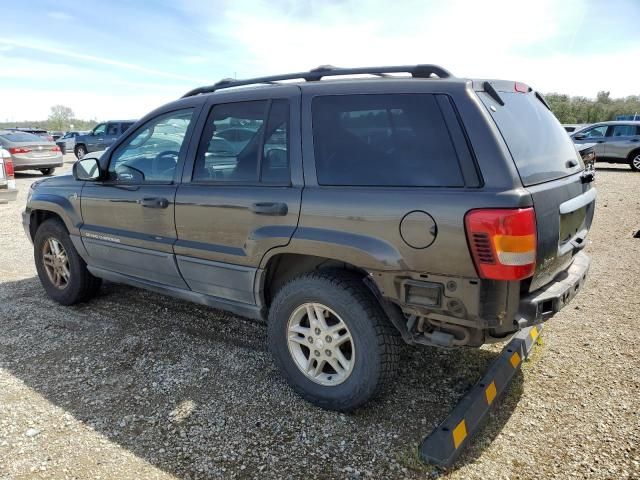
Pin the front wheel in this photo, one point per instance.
(63, 273)
(80, 151)
(47, 171)
(331, 340)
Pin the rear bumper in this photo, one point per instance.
(545, 302)
(54, 163)
(8, 195)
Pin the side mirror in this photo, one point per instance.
(86, 169)
(579, 137)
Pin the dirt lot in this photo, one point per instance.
(136, 385)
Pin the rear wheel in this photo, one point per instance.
(634, 161)
(47, 171)
(80, 151)
(63, 273)
(331, 340)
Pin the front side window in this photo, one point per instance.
(245, 142)
(383, 140)
(112, 129)
(151, 154)
(595, 132)
(100, 129)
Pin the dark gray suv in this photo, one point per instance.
(351, 215)
(101, 137)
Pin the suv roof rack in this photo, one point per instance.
(316, 74)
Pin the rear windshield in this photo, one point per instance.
(540, 147)
(20, 137)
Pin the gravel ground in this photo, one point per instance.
(135, 385)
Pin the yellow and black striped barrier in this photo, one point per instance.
(446, 442)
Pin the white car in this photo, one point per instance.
(8, 191)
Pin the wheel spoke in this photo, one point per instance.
(340, 370)
(339, 339)
(311, 314)
(320, 312)
(300, 329)
(339, 356)
(297, 339)
(319, 366)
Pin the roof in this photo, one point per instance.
(423, 71)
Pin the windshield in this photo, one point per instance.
(540, 147)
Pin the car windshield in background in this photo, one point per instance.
(20, 137)
(540, 147)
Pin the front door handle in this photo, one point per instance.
(154, 202)
(270, 208)
(600, 141)
(635, 140)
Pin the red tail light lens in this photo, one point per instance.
(55, 149)
(15, 150)
(521, 87)
(8, 168)
(503, 242)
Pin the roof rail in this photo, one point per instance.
(316, 74)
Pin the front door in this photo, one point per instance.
(239, 200)
(129, 218)
(95, 141)
(595, 134)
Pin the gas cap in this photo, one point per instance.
(418, 229)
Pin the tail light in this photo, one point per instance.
(8, 168)
(55, 149)
(15, 150)
(502, 242)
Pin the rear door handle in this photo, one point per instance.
(154, 202)
(269, 208)
(600, 141)
(635, 140)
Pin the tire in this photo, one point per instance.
(80, 284)
(375, 342)
(80, 151)
(47, 171)
(634, 161)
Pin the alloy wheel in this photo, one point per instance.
(56, 263)
(320, 344)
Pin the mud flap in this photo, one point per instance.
(445, 443)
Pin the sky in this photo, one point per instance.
(121, 59)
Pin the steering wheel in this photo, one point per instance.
(162, 172)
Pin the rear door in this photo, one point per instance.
(238, 201)
(129, 218)
(620, 140)
(551, 171)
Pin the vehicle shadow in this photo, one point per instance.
(193, 390)
(601, 168)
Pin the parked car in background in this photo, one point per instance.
(101, 137)
(67, 142)
(616, 142)
(572, 127)
(31, 152)
(588, 153)
(56, 135)
(8, 191)
(34, 131)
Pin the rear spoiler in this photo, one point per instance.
(494, 87)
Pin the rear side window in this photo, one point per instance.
(383, 140)
(624, 131)
(540, 147)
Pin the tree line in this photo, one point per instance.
(568, 109)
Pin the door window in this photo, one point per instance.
(595, 132)
(245, 142)
(151, 154)
(100, 129)
(112, 129)
(623, 131)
